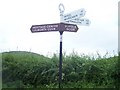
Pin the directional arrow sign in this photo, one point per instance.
(68, 27)
(84, 22)
(75, 14)
(44, 28)
(54, 27)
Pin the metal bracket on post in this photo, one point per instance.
(61, 9)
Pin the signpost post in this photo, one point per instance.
(60, 60)
(68, 24)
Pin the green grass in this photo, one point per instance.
(30, 70)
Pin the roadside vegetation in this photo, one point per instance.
(30, 70)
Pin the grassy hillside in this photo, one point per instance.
(30, 70)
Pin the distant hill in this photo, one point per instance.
(23, 54)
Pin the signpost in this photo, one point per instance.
(54, 27)
(44, 28)
(68, 23)
(82, 22)
(61, 27)
(75, 14)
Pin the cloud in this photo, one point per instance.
(17, 17)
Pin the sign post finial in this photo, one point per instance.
(61, 8)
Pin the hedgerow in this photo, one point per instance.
(30, 70)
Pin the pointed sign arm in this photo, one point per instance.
(54, 27)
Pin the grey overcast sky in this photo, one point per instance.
(17, 16)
